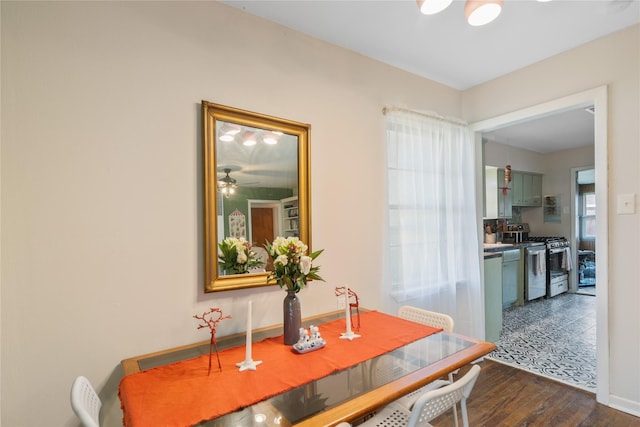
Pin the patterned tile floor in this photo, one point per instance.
(555, 338)
(587, 290)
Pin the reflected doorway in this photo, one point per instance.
(261, 225)
(264, 226)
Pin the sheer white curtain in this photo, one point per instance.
(431, 256)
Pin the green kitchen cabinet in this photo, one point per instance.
(527, 188)
(492, 298)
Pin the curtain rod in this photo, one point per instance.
(429, 114)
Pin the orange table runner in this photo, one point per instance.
(182, 394)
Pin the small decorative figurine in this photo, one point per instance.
(210, 320)
(309, 340)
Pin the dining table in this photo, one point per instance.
(344, 380)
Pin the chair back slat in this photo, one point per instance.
(435, 402)
(85, 402)
(426, 317)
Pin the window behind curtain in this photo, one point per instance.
(432, 257)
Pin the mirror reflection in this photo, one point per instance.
(257, 186)
(256, 181)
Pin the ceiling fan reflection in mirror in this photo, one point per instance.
(226, 184)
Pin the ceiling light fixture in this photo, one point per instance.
(477, 12)
(481, 12)
(228, 132)
(230, 128)
(431, 7)
(249, 138)
(270, 138)
(226, 184)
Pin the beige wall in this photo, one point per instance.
(557, 182)
(499, 155)
(612, 61)
(101, 191)
(101, 186)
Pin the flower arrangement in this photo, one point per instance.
(236, 256)
(291, 266)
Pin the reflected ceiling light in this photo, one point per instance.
(249, 138)
(270, 138)
(481, 12)
(431, 7)
(230, 128)
(228, 131)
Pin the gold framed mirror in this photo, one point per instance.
(256, 187)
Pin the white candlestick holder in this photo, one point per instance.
(349, 334)
(248, 363)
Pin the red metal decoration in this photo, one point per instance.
(210, 320)
(340, 292)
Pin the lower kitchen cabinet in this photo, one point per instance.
(493, 298)
(511, 281)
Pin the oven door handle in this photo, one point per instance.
(557, 250)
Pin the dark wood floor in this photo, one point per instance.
(510, 397)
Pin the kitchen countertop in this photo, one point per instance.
(501, 247)
(489, 255)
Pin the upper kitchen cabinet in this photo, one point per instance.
(527, 188)
(498, 194)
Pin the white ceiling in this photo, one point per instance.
(561, 131)
(444, 48)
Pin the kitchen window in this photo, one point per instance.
(588, 217)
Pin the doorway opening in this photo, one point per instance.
(598, 99)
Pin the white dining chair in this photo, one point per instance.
(85, 402)
(430, 405)
(426, 317)
(435, 320)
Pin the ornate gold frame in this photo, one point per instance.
(215, 112)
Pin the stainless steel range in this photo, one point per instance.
(559, 263)
(535, 279)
